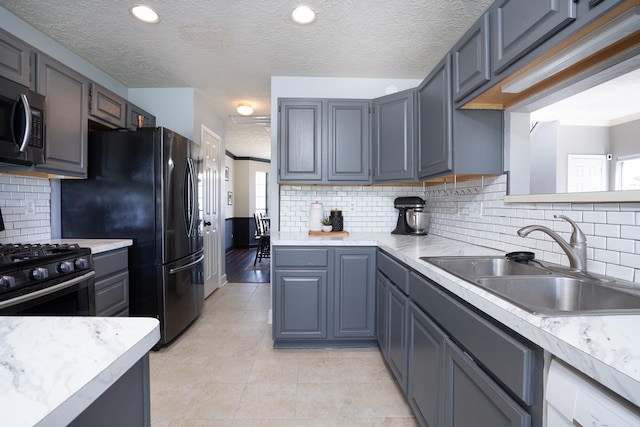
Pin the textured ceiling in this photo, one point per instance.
(229, 50)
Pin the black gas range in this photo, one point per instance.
(46, 279)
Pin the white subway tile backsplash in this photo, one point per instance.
(630, 260)
(607, 230)
(624, 218)
(26, 209)
(620, 245)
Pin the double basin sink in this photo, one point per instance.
(544, 289)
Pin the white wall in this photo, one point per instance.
(245, 186)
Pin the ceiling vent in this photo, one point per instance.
(254, 120)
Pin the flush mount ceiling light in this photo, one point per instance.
(303, 15)
(245, 109)
(145, 13)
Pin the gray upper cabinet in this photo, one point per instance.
(520, 25)
(348, 141)
(471, 59)
(394, 141)
(67, 92)
(324, 141)
(300, 140)
(106, 107)
(455, 141)
(137, 117)
(435, 125)
(15, 59)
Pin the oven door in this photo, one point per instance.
(73, 297)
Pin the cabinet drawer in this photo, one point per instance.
(508, 359)
(394, 270)
(107, 263)
(112, 295)
(295, 257)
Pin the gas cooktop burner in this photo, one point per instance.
(10, 253)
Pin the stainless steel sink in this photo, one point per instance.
(557, 295)
(474, 267)
(542, 288)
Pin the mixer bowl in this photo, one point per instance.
(417, 220)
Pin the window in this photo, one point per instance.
(628, 173)
(262, 179)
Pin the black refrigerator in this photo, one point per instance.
(143, 185)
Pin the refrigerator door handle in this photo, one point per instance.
(190, 198)
(186, 266)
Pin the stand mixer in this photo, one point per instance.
(412, 220)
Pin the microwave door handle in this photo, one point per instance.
(26, 109)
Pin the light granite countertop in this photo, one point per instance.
(53, 368)
(97, 245)
(605, 348)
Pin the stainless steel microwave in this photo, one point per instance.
(22, 124)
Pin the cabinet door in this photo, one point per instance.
(521, 25)
(354, 293)
(381, 312)
(106, 107)
(394, 137)
(397, 308)
(471, 66)
(66, 120)
(300, 140)
(473, 399)
(137, 117)
(425, 368)
(348, 141)
(15, 59)
(435, 124)
(300, 304)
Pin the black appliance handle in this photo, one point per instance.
(46, 291)
(26, 109)
(186, 266)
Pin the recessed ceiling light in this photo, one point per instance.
(245, 109)
(303, 15)
(145, 13)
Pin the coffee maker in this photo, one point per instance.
(412, 220)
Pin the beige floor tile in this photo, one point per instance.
(224, 372)
(268, 401)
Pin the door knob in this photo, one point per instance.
(207, 223)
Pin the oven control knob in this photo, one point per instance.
(7, 282)
(65, 267)
(82, 263)
(40, 273)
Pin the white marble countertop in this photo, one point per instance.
(52, 368)
(606, 348)
(97, 245)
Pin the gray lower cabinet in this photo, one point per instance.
(393, 284)
(426, 368)
(460, 368)
(394, 137)
(112, 283)
(472, 398)
(455, 141)
(15, 59)
(323, 295)
(354, 293)
(106, 107)
(520, 25)
(67, 92)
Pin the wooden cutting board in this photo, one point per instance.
(330, 233)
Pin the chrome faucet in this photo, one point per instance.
(576, 249)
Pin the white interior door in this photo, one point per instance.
(211, 206)
(586, 173)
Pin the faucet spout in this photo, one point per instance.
(576, 248)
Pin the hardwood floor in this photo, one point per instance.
(237, 261)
